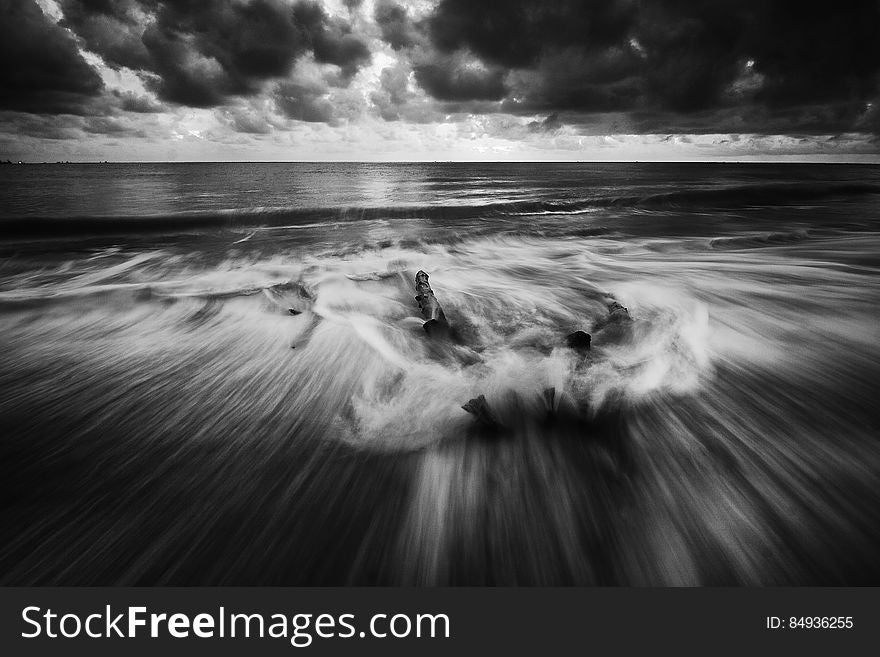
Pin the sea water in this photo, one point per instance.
(217, 374)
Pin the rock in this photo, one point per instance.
(617, 311)
(479, 408)
(578, 340)
(615, 324)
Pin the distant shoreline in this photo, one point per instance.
(774, 162)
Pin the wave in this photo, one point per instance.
(291, 218)
(288, 218)
(759, 239)
(762, 194)
(172, 223)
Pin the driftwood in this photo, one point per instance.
(435, 321)
(479, 408)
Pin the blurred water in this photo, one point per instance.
(168, 421)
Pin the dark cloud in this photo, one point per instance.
(664, 66)
(395, 26)
(110, 28)
(66, 127)
(690, 51)
(816, 51)
(570, 79)
(41, 70)
(455, 79)
(205, 52)
(304, 102)
(708, 64)
(139, 104)
(516, 33)
(41, 126)
(201, 54)
(335, 44)
(105, 125)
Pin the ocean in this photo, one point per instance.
(218, 374)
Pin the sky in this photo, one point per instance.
(474, 80)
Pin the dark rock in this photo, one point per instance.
(578, 340)
(617, 311)
(479, 408)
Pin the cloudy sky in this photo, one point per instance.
(439, 80)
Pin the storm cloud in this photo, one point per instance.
(41, 69)
(812, 66)
(511, 69)
(395, 25)
(199, 54)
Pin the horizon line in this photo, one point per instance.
(865, 160)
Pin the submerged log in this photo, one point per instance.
(435, 321)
